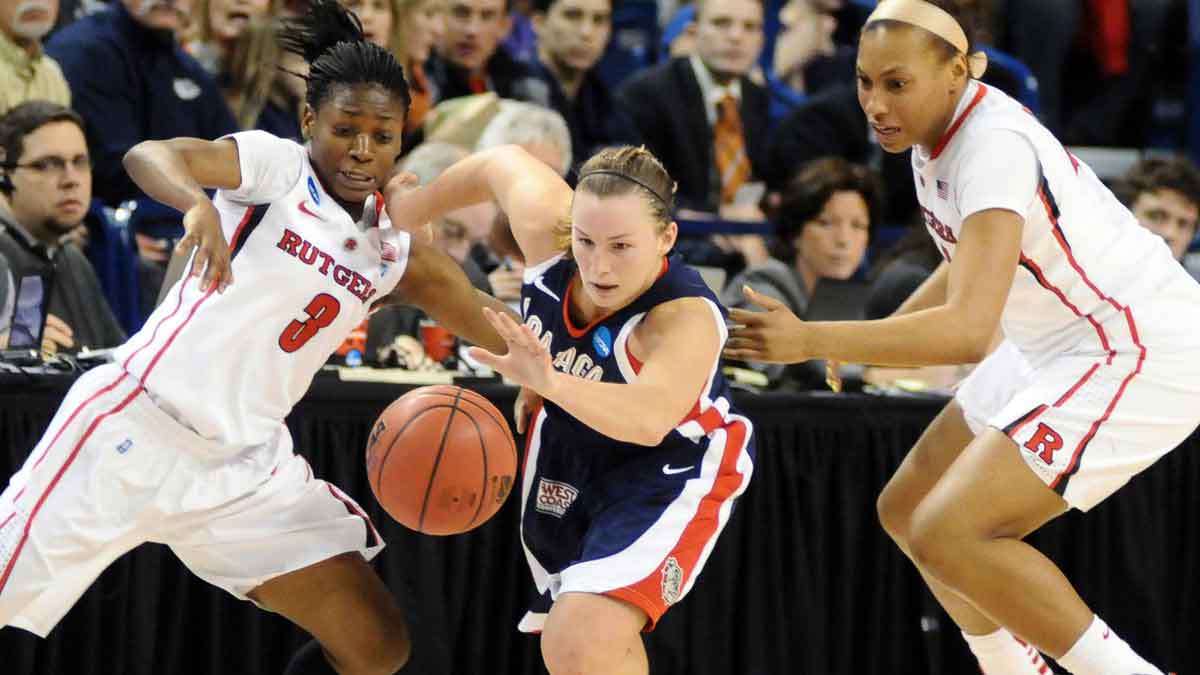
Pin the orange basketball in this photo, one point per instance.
(441, 459)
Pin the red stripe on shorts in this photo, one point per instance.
(58, 476)
(1059, 483)
(647, 593)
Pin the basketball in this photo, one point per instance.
(441, 460)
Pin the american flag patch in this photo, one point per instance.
(388, 252)
(943, 189)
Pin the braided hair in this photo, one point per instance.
(330, 38)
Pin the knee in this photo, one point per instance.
(574, 652)
(932, 544)
(895, 515)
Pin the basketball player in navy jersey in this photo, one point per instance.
(181, 440)
(635, 458)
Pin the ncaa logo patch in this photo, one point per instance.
(602, 342)
(672, 581)
(554, 498)
(312, 191)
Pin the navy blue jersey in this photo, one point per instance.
(600, 352)
(606, 516)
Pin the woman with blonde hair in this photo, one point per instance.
(218, 25)
(264, 84)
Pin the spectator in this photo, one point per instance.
(132, 82)
(469, 58)
(824, 219)
(265, 85)
(542, 132)
(572, 36)
(1164, 194)
(701, 115)
(45, 173)
(421, 25)
(805, 34)
(458, 230)
(26, 73)
(379, 19)
(220, 24)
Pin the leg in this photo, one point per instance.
(929, 459)
(589, 634)
(966, 533)
(346, 607)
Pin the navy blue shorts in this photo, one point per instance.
(639, 530)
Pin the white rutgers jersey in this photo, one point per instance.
(232, 365)
(1087, 267)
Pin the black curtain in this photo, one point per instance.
(802, 581)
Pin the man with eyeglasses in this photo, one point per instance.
(46, 177)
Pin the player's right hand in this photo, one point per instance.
(202, 231)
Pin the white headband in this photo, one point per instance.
(935, 20)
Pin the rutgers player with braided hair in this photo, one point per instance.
(181, 439)
(1098, 375)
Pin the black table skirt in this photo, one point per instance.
(803, 579)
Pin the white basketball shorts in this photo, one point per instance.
(113, 470)
(1086, 423)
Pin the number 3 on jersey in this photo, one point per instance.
(321, 310)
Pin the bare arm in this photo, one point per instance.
(676, 336)
(436, 284)
(175, 172)
(535, 199)
(959, 331)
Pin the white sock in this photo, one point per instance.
(1100, 652)
(1000, 653)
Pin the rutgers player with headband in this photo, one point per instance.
(181, 440)
(636, 457)
(1097, 378)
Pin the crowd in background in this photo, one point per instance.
(751, 105)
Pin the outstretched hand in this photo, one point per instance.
(202, 227)
(772, 336)
(527, 362)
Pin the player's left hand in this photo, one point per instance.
(202, 231)
(527, 362)
(773, 336)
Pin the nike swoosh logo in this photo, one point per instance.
(542, 287)
(304, 209)
(668, 470)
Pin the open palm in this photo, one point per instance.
(527, 362)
